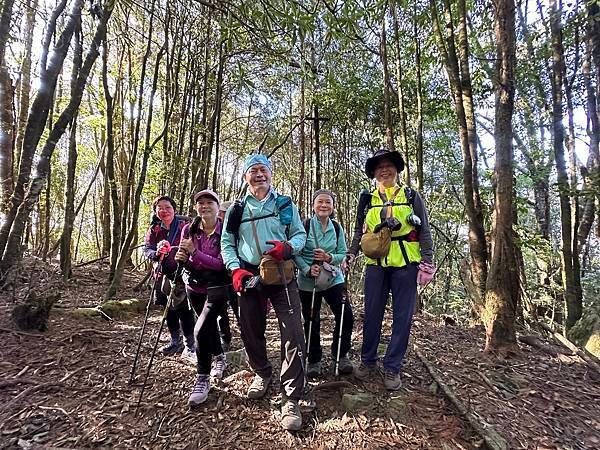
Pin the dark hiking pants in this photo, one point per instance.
(379, 281)
(333, 296)
(253, 321)
(206, 331)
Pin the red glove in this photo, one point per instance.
(280, 250)
(239, 275)
(163, 247)
(426, 273)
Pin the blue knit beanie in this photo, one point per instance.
(257, 158)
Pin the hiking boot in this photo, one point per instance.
(364, 372)
(175, 346)
(391, 380)
(189, 354)
(313, 370)
(200, 391)
(218, 366)
(291, 417)
(345, 366)
(258, 387)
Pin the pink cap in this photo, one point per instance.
(207, 193)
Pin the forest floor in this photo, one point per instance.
(68, 388)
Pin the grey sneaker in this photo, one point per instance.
(175, 346)
(364, 372)
(200, 392)
(189, 354)
(218, 366)
(391, 380)
(345, 366)
(258, 387)
(314, 369)
(291, 417)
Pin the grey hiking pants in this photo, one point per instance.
(253, 322)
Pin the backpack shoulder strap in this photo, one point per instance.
(336, 227)
(409, 193)
(306, 224)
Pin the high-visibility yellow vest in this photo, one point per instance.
(401, 209)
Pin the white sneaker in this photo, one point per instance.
(218, 366)
(189, 355)
(200, 392)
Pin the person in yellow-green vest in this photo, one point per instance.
(392, 230)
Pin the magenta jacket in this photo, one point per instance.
(205, 267)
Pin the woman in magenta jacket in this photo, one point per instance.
(207, 284)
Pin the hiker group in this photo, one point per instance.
(256, 253)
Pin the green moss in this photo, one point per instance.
(586, 332)
(120, 308)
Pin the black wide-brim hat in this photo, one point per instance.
(372, 162)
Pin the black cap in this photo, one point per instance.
(372, 162)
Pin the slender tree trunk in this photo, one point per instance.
(572, 303)
(40, 108)
(419, 105)
(400, 81)
(70, 188)
(125, 252)
(502, 289)
(129, 185)
(387, 90)
(12, 252)
(25, 85)
(302, 177)
(216, 112)
(457, 75)
(7, 131)
(110, 164)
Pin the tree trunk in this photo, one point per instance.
(131, 169)
(115, 238)
(12, 252)
(419, 106)
(70, 188)
(400, 81)
(387, 90)
(457, 77)
(7, 131)
(572, 302)
(502, 289)
(125, 250)
(25, 84)
(36, 120)
(212, 127)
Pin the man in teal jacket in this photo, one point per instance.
(267, 223)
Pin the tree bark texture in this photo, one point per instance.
(502, 289)
(70, 186)
(572, 303)
(12, 251)
(7, 131)
(40, 108)
(458, 74)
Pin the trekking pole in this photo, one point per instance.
(139, 346)
(311, 319)
(337, 359)
(291, 311)
(344, 300)
(162, 324)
